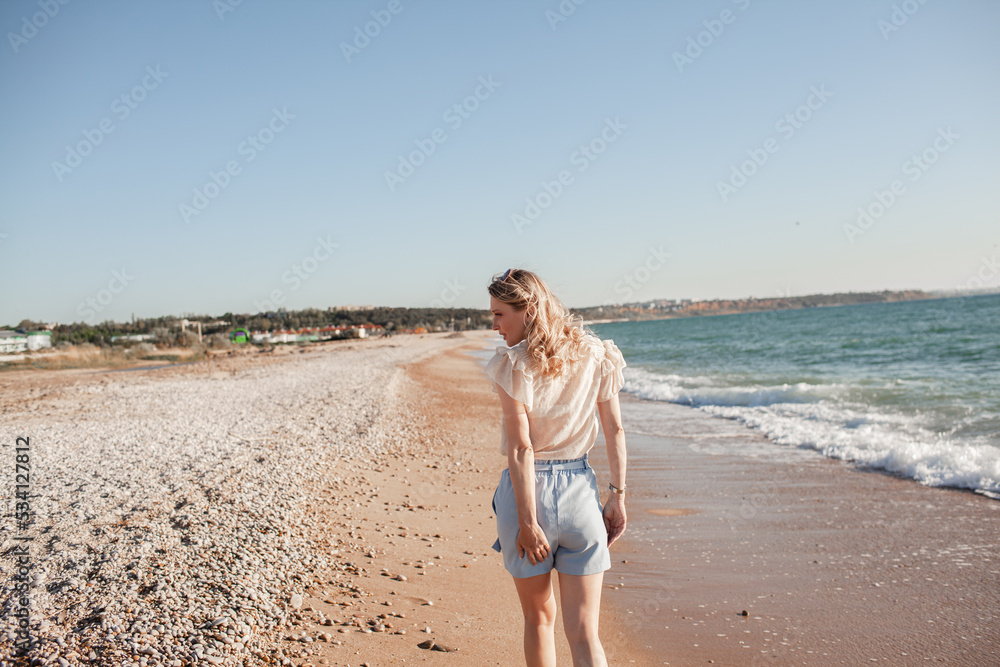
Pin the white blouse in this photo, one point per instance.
(562, 411)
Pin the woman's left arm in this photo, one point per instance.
(614, 436)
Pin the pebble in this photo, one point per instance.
(434, 646)
(181, 506)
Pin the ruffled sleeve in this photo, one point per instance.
(612, 377)
(509, 369)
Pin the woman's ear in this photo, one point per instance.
(529, 313)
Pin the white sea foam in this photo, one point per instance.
(701, 391)
(818, 417)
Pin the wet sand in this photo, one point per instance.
(831, 565)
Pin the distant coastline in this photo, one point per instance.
(659, 309)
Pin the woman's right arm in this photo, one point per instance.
(521, 464)
(614, 436)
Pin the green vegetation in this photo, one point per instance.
(167, 329)
(216, 329)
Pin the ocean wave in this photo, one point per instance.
(693, 391)
(876, 441)
(818, 417)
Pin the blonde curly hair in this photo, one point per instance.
(555, 336)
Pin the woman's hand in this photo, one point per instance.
(531, 542)
(614, 517)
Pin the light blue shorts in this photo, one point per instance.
(568, 509)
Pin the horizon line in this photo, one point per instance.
(934, 293)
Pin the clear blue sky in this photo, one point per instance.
(676, 117)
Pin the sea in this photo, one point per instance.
(911, 388)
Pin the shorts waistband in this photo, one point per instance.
(561, 464)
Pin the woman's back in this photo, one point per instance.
(561, 410)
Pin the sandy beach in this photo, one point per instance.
(330, 505)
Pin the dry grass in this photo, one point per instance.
(91, 356)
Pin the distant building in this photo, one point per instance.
(132, 338)
(15, 341)
(12, 341)
(314, 335)
(39, 339)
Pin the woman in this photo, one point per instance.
(551, 378)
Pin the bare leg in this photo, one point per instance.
(538, 603)
(580, 597)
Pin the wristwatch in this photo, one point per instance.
(615, 489)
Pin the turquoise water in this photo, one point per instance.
(910, 387)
